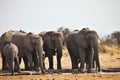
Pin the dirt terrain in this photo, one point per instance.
(110, 62)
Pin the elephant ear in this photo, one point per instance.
(80, 39)
(47, 40)
(27, 42)
(92, 35)
(57, 40)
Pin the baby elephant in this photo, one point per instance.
(10, 52)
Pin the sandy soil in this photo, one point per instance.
(106, 60)
(64, 77)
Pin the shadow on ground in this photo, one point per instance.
(64, 71)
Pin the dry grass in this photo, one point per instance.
(110, 49)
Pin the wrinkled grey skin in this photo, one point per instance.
(10, 52)
(53, 44)
(83, 46)
(18, 38)
(5, 39)
(31, 47)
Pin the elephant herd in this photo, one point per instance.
(32, 48)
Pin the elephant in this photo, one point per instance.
(5, 39)
(31, 47)
(10, 51)
(18, 38)
(53, 44)
(83, 46)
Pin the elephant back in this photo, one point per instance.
(50, 38)
(10, 49)
(92, 34)
(6, 38)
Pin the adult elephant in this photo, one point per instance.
(53, 44)
(5, 39)
(31, 47)
(10, 52)
(83, 46)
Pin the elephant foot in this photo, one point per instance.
(5, 68)
(50, 68)
(43, 71)
(28, 69)
(59, 71)
(17, 70)
(74, 71)
(59, 67)
(12, 73)
(37, 69)
(89, 71)
(81, 70)
(51, 71)
(99, 70)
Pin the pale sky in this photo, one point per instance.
(45, 15)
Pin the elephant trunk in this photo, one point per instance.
(96, 56)
(40, 58)
(95, 52)
(58, 47)
(11, 62)
(90, 57)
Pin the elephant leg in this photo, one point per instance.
(58, 63)
(19, 60)
(89, 59)
(82, 55)
(29, 57)
(4, 63)
(94, 62)
(82, 64)
(97, 62)
(59, 55)
(36, 67)
(44, 63)
(11, 64)
(16, 68)
(90, 62)
(74, 61)
(26, 63)
(88, 50)
(50, 62)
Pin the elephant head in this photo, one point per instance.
(53, 40)
(33, 45)
(53, 43)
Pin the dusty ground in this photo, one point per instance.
(106, 60)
